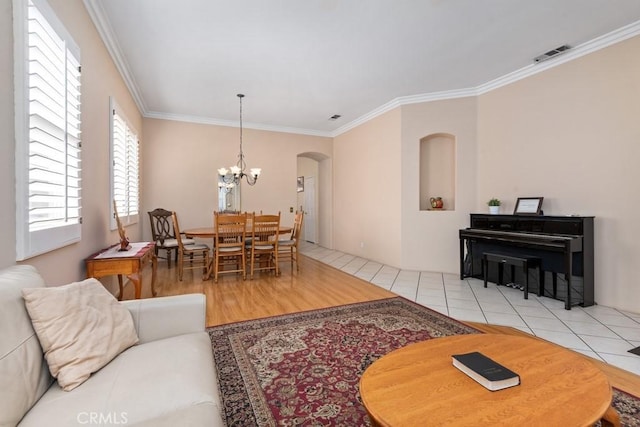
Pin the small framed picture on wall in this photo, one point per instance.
(300, 184)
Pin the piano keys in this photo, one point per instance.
(564, 245)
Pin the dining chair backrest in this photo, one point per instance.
(161, 227)
(230, 230)
(297, 225)
(265, 227)
(164, 234)
(264, 243)
(176, 229)
(288, 247)
(197, 255)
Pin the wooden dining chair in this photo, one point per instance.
(196, 255)
(288, 247)
(264, 243)
(163, 234)
(228, 245)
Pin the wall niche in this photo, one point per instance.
(438, 171)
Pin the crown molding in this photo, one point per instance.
(235, 124)
(405, 100)
(591, 46)
(97, 14)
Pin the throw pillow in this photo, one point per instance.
(81, 328)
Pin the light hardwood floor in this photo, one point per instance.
(316, 285)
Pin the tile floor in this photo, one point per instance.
(601, 332)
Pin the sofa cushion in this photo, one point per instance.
(24, 376)
(81, 328)
(167, 382)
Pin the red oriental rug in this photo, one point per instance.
(304, 368)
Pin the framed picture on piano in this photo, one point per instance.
(528, 206)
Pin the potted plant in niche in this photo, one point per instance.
(494, 206)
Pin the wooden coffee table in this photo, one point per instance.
(418, 385)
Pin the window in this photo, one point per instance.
(47, 130)
(124, 169)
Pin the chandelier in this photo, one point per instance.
(231, 177)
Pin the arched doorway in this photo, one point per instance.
(314, 198)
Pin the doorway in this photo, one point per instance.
(314, 197)
(310, 211)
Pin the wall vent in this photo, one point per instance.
(548, 55)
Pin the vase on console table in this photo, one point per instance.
(494, 210)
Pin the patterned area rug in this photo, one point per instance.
(304, 368)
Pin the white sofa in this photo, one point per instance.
(167, 379)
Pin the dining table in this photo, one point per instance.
(209, 232)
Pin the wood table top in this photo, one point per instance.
(206, 232)
(418, 385)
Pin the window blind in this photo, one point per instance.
(125, 168)
(48, 143)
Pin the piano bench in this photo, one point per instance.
(525, 263)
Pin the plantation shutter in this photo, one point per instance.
(48, 147)
(125, 169)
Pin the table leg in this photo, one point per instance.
(136, 278)
(121, 286)
(154, 267)
(611, 418)
(209, 269)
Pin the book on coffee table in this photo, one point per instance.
(485, 371)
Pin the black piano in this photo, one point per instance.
(564, 245)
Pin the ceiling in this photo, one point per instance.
(299, 62)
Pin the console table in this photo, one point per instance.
(111, 261)
(418, 383)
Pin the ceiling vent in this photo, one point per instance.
(548, 55)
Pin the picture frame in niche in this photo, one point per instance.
(300, 184)
(528, 206)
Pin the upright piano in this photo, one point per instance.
(564, 245)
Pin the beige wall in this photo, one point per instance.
(325, 202)
(100, 80)
(367, 190)
(7, 151)
(430, 238)
(180, 162)
(572, 135)
(377, 187)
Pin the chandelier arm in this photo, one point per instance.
(251, 180)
